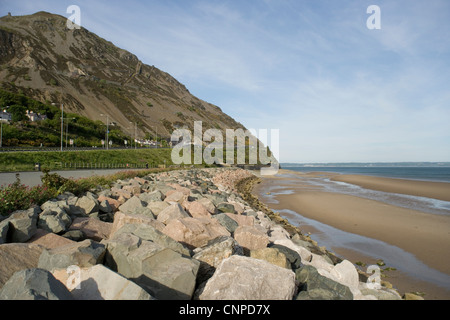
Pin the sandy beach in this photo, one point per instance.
(425, 235)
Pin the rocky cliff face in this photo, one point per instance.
(47, 61)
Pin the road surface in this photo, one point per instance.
(34, 178)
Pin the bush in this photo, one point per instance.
(17, 196)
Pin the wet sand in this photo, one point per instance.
(425, 235)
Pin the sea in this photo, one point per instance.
(332, 237)
(441, 174)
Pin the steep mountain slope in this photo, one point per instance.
(45, 60)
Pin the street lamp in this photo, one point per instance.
(107, 130)
(156, 131)
(62, 126)
(67, 129)
(1, 129)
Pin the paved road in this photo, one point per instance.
(34, 178)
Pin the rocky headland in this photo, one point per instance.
(194, 234)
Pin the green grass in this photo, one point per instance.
(25, 161)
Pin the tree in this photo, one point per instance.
(17, 113)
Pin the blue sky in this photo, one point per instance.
(337, 91)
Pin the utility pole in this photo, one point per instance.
(62, 126)
(107, 130)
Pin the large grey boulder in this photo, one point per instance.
(82, 254)
(87, 205)
(150, 233)
(34, 284)
(17, 256)
(54, 220)
(162, 272)
(174, 211)
(230, 224)
(132, 205)
(244, 278)
(100, 283)
(314, 286)
(151, 196)
(212, 255)
(4, 227)
(22, 224)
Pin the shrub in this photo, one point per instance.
(17, 196)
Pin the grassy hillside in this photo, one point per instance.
(24, 133)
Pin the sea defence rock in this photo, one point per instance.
(83, 254)
(195, 232)
(22, 225)
(244, 278)
(34, 284)
(17, 256)
(162, 272)
(185, 234)
(100, 283)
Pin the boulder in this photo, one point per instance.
(152, 196)
(157, 206)
(54, 220)
(87, 205)
(212, 255)
(92, 228)
(48, 240)
(34, 284)
(244, 278)
(150, 233)
(251, 237)
(304, 253)
(225, 207)
(174, 196)
(230, 224)
(195, 232)
(346, 274)
(17, 256)
(208, 204)
(174, 211)
(22, 224)
(4, 227)
(113, 203)
(314, 286)
(162, 272)
(132, 205)
(241, 219)
(196, 209)
(83, 254)
(292, 256)
(101, 283)
(121, 219)
(105, 207)
(271, 255)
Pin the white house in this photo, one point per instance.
(5, 116)
(35, 116)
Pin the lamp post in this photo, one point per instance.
(62, 127)
(107, 130)
(67, 129)
(156, 131)
(1, 129)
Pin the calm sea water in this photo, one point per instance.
(415, 173)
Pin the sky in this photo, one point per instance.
(336, 90)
